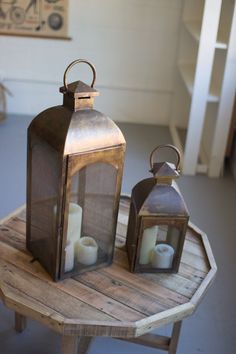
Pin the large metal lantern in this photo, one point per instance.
(74, 173)
(158, 220)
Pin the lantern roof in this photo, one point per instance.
(75, 126)
(71, 132)
(158, 199)
(163, 170)
(91, 130)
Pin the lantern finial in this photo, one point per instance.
(165, 172)
(78, 95)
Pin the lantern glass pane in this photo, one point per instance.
(159, 246)
(43, 200)
(91, 219)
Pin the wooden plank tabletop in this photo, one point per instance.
(110, 301)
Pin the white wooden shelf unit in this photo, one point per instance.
(207, 68)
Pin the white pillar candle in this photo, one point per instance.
(87, 250)
(74, 222)
(69, 256)
(73, 233)
(148, 243)
(162, 256)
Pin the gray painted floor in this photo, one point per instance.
(212, 329)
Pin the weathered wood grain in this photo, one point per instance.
(178, 283)
(174, 314)
(151, 340)
(117, 290)
(69, 345)
(164, 295)
(175, 337)
(44, 293)
(110, 301)
(70, 286)
(12, 237)
(17, 225)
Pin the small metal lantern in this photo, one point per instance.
(75, 166)
(158, 220)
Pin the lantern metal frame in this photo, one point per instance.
(79, 136)
(157, 201)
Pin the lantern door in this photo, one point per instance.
(90, 210)
(160, 244)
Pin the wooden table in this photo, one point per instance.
(108, 302)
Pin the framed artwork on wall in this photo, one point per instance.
(34, 18)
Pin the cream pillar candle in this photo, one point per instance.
(87, 250)
(74, 225)
(162, 256)
(69, 256)
(73, 233)
(74, 222)
(148, 243)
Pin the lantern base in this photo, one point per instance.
(37, 248)
(103, 260)
(148, 268)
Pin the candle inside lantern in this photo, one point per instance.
(148, 243)
(162, 256)
(87, 250)
(74, 222)
(74, 225)
(69, 256)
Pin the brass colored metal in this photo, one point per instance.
(79, 89)
(78, 95)
(73, 64)
(163, 171)
(73, 145)
(76, 104)
(169, 146)
(155, 202)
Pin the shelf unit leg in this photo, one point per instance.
(174, 337)
(201, 84)
(225, 107)
(20, 322)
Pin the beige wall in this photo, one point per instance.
(132, 43)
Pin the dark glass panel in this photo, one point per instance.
(91, 219)
(43, 198)
(159, 245)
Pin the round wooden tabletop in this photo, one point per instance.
(110, 301)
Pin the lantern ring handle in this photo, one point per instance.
(78, 61)
(177, 164)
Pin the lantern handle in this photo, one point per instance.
(177, 164)
(78, 61)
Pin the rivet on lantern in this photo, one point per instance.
(158, 219)
(74, 172)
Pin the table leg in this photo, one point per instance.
(174, 337)
(69, 345)
(84, 344)
(20, 322)
(75, 345)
